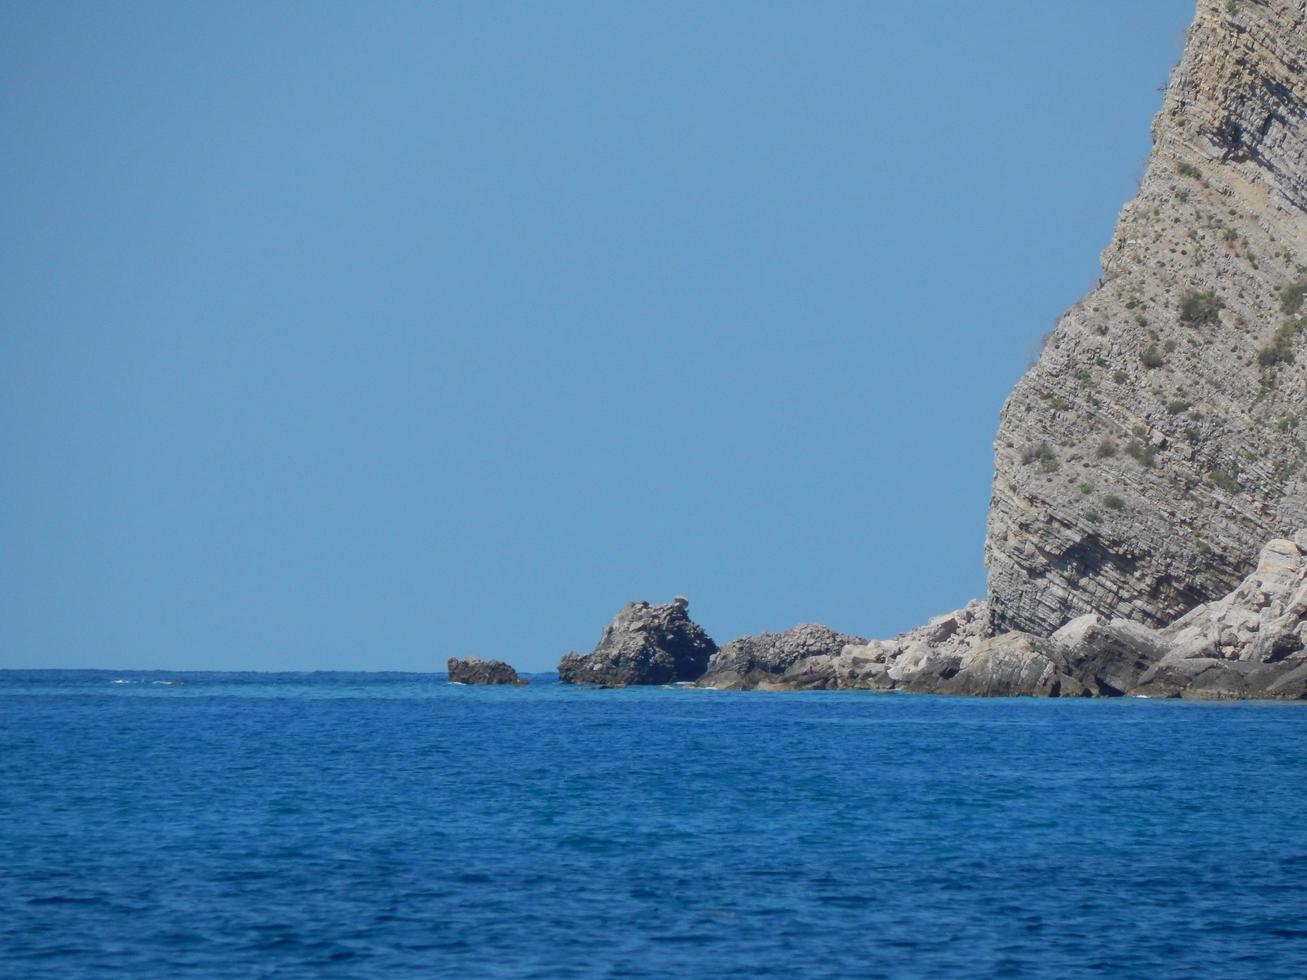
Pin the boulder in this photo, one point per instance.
(1264, 620)
(1015, 664)
(849, 670)
(753, 661)
(924, 669)
(470, 670)
(1287, 680)
(1208, 678)
(644, 644)
(1108, 658)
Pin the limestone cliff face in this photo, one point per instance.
(1158, 442)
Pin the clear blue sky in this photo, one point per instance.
(359, 336)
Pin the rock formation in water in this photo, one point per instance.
(763, 660)
(1158, 442)
(470, 670)
(644, 644)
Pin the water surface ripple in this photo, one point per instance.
(351, 825)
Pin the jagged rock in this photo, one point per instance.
(1015, 664)
(1159, 439)
(1202, 678)
(814, 657)
(1286, 681)
(1249, 644)
(1109, 658)
(848, 670)
(1243, 679)
(923, 659)
(931, 649)
(470, 670)
(811, 674)
(1264, 620)
(752, 661)
(644, 644)
(926, 671)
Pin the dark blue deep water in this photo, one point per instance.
(336, 825)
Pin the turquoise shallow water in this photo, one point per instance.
(353, 825)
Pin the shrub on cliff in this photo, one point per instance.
(1280, 349)
(1225, 480)
(1291, 297)
(1198, 308)
(1141, 452)
(1043, 454)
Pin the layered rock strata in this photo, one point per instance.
(1159, 438)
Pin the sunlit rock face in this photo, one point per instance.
(644, 644)
(1158, 441)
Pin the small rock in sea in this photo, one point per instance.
(644, 644)
(470, 670)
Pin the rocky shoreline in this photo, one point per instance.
(1250, 644)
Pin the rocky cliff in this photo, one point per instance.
(1158, 441)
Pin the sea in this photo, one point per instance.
(250, 825)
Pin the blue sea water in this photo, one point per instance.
(361, 825)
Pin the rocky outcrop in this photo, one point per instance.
(812, 657)
(470, 670)
(644, 644)
(1089, 657)
(1159, 440)
(762, 660)
(1109, 657)
(1251, 643)
(1015, 664)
